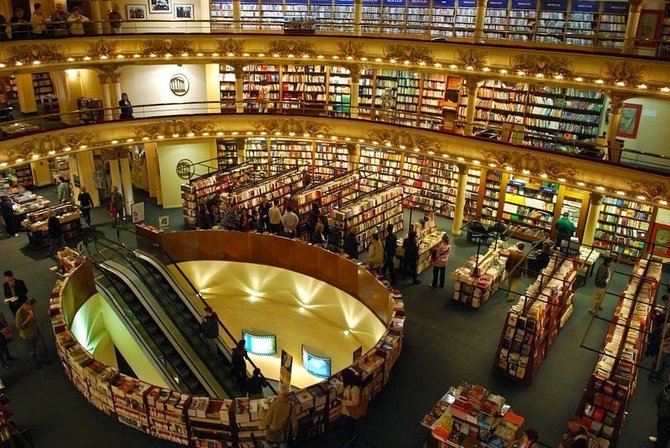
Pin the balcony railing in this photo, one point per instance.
(581, 148)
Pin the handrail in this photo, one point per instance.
(534, 35)
(190, 284)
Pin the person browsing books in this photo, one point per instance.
(375, 253)
(439, 258)
(576, 436)
(565, 229)
(529, 439)
(411, 256)
(390, 248)
(514, 269)
(350, 245)
(274, 218)
(280, 422)
(16, 292)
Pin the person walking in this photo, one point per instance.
(375, 253)
(116, 206)
(662, 419)
(55, 234)
(565, 229)
(576, 436)
(16, 292)
(63, 190)
(350, 245)
(601, 281)
(125, 107)
(7, 211)
(29, 331)
(239, 363)
(280, 422)
(85, 204)
(209, 327)
(255, 384)
(274, 218)
(514, 269)
(440, 257)
(390, 248)
(411, 256)
(290, 223)
(115, 20)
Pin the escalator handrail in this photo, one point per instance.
(191, 285)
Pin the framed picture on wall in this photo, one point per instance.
(183, 12)
(136, 12)
(630, 120)
(649, 28)
(160, 6)
(660, 240)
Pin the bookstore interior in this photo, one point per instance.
(361, 148)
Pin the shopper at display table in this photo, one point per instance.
(55, 234)
(280, 422)
(411, 256)
(390, 248)
(16, 292)
(7, 210)
(63, 191)
(514, 270)
(354, 405)
(440, 257)
(565, 229)
(375, 253)
(576, 436)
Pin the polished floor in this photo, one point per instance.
(445, 344)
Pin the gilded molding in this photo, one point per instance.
(476, 59)
(500, 158)
(28, 53)
(413, 53)
(162, 47)
(40, 146)
(292, 126)
(531, 163)
(404, 139)
(654, 191)
(549, 66)
(103, 48)
(285, 47)
(75, 139)
(630, 74)
(108, 72)
(350, 48)
(230, 46)
(556, 169)
(172, 127)
(617, 100)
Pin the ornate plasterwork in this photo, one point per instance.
(477, 59)
(29, 53)
(108, 72)
(297, 127)
(103, 48)
(40, 146)
(404, 140)
(413, 53)
(532, 164)
(546, 65)
(654, 191)
(350, 48)
(172, 127)
(230, 46)
(162, 47)
(630, 74)
(286, 47)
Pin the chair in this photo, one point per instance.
(497, 230)
(477, 232)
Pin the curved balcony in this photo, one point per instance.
(177, 122)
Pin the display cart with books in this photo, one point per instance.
(480, 276)
(428, 237)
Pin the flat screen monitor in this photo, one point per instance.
(314, 364)
(260, 344)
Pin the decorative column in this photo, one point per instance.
(634, 10)
(96, 16)
(616, 106)
(115, 173)
(472, 85)
(358, 16)
(479, 21)
(103, 78)
(354, 155)
(460, 199)
(115, 90)
(239, 88)
(26, 91)
(237, 17)
(126, 182)
(355, 82)
(595, 206)
(105, 8)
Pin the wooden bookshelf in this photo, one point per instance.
(226, 153)
(479, 277)
(466, 17)
(530, 205)
(623, 227)
(430, 184)
(330, 159)
(227, 87)
(275, 187)
(379, 166)
(290, 154)
(259, 77)
(339, 91)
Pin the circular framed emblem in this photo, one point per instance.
(185, 169)
(179, 84)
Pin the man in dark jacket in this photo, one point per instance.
(576, 436)
(662, 419)
(351, 243)
(7, 210)
(390, 247)
(601, 280)
(55, 234)
(14, 289)
(210, 329)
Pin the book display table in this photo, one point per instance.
(480, 276)
(428, 237)
(37, 223)
(471, 416)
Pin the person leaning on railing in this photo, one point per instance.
(76, 21)
(59, 21)
(115, 19)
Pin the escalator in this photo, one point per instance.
(169, 311)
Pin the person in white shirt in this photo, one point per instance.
(39, 21)
(290, 222)
(76, 21)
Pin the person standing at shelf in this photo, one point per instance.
(39, 22)
(312, 219)
(59, 21)
(375, 253)
(440, 257)
(63, 190)
(29, 331)
(209, 327)
(411, 256)
(274, 218)
(115, 20)
(601, 281)
(390, 248)
(514, 269)
(280, 422)
(85, 204)
(565, 229)
(16, 292)
(255, 384)
(7, 211)
(290, 223)
(76, 21)
(306, 178)
(55, 234)
(350, 245)
(662, 436)
(576, 436)
(319, 238)
(239, 363)
(263, 210)
(125, 107)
